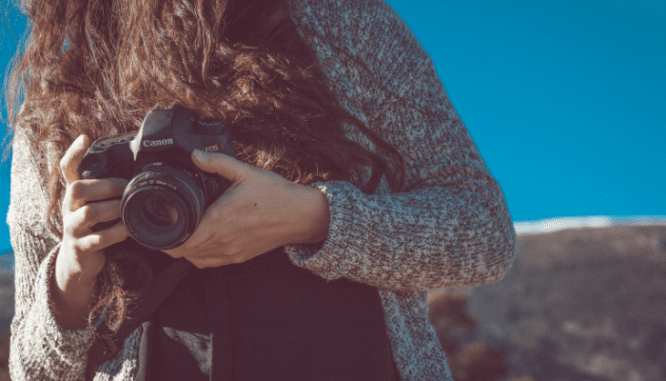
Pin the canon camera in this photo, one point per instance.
(167, 194)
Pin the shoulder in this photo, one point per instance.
(370, 32)
(366, 48)
(354, 24)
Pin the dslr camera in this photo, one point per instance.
(167, 194)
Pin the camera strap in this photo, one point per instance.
(161, 286)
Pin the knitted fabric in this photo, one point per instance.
(448, 227)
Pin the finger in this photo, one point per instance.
(102, 239)
(69, 164)
(97, 189)
(82, 192)
(224, 165)
(83, 219)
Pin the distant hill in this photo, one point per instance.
(7, 262)
(6, 301)
(586, 304)
(6, 315)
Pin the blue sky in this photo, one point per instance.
(566, 100)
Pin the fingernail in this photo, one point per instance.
(201, 155)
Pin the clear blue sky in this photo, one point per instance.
(566, 100)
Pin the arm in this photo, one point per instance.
(40, 349)
(450, 225)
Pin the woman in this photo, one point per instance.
(357, 188)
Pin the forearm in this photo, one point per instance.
(41, 349)
(434, 237)
(72, 295)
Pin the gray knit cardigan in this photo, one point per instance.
(448, 227)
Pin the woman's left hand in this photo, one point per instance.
(259, 212)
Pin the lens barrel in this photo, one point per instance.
(162, 206)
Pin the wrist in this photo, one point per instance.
(72, 292)
(316, 217)
(70, 277)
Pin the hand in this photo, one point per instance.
(81, 254)
(82, 248)
(259, 212)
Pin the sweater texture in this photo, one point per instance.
(448, 227)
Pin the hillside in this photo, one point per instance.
(578, 304)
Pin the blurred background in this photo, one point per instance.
(566, 101)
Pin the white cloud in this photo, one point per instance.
(554, 224)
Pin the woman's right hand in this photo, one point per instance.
(81, 256)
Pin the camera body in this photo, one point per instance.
(167, 194)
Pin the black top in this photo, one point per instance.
(267, 319)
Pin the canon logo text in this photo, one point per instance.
(157, 143)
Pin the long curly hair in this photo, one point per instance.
(96, 67)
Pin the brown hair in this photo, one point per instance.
(96, 67)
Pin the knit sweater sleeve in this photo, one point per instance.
(40, 348)
(450, 225)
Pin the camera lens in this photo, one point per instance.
(162, 206)
(160, 209)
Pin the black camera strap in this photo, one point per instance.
(160, 287)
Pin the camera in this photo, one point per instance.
(167, 194)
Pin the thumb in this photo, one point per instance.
(224, 165)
